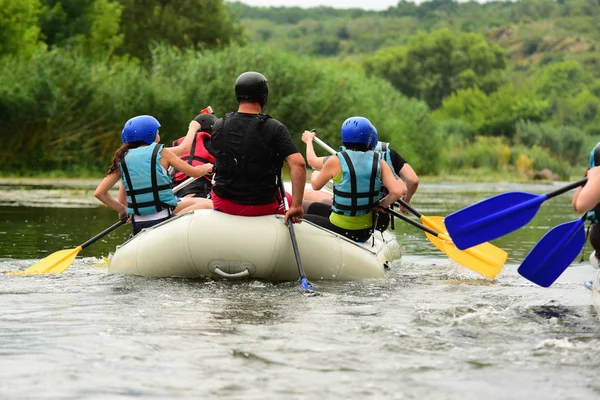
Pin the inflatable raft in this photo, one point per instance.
(208, 243)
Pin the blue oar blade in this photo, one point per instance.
(491, 218)
(553, 253)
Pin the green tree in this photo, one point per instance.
(90, 26)
(432, 66)
(183, 23)
(561, 79)
(19, 30)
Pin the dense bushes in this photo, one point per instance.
(55, 108)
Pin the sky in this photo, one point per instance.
(365, 4)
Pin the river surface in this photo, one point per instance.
(430, 330)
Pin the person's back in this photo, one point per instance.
(249, 149)
(357, 174)
(247, 158)
(199, 154)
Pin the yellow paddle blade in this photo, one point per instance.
(55, 263)
(485, 259)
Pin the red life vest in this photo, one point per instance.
(200, 156)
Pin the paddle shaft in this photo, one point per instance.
(409, 208)
(323, 144)
(293, 235)
(103, 233)
(413, 223)
(566, 188)
(508, 212)
(184, 184)
(124, 221)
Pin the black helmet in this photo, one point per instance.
(252, 86)
(206, 121)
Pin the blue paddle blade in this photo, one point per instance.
(491, 218)
(553, 253)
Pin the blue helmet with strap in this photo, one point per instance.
(142, 128)
(358, 130)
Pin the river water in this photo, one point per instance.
(430, 330)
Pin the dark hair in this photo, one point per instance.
(120, 155)
(356, 146)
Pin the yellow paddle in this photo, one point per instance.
(485, 259)
(60, 260)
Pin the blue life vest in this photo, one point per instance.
(148, 187)
(593, 214)
(358, 192)
(383, 149)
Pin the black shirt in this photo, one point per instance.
(249, 151)
(397, 161)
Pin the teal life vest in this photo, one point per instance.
(383, 149)
(147, 185)
(358, 192)
(593, 215)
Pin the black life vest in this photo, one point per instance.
(246, 166)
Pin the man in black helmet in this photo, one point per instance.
(249, 149)
(200, 153)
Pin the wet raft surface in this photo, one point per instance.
(430, 330)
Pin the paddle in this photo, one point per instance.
(60, 260)
(306, 285)
(494, 217)
(554, 253)
(485, 259)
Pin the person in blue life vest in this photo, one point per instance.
(397, 163)
(141, 165)
(199, 154)
(587, 200)
(358, 174)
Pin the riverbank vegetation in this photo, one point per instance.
(505, 89)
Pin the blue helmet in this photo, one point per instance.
(358, 130)
(374, 139)
(142, 128)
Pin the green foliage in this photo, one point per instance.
(194, 24)
(19, 30)
(80, 105)
(560, 79)
(566, 143)
(433, 66)
(496, 114)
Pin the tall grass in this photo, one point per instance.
(62, 111)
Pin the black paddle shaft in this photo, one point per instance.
(103, 233)
(413, 223)
(567, 188)
(409, 208)
(291, 228)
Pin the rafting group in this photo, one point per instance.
(243, 154)
(233, 165)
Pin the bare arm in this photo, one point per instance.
(587, 197)
(410, 178)
(314, 161)
(395, 187)
(169, 158)
(331, 168)
(186, 144)
(298, 177)
(104, 196)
